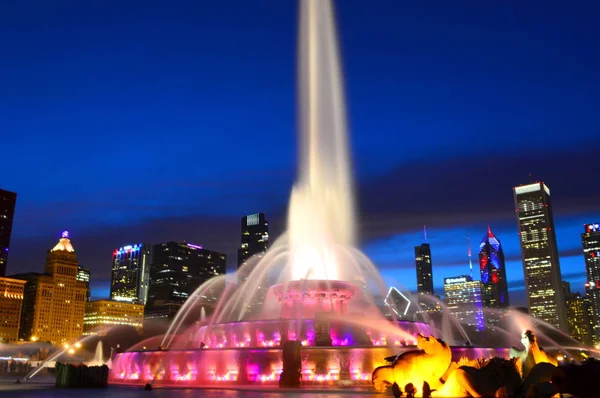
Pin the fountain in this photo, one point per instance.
(319, 321)
(98, 359)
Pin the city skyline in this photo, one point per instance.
(481, 116)
(104, 291)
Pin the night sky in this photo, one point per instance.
(148, 121)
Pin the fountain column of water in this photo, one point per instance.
(99, 354)
(321, 210)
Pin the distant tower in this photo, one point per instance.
(54, 302)
(590, 239)
(131, 273)
(579, 315)
(541, 266)
(424, 267)
(469, 254)
(255, 237)
(84, 275)
(463, 299)
(255, 242)
(8, 201)
(177, 269)
(493, 272)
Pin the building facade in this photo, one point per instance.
(493, 272)
(131, 273)
(464, 300)
(590, 239)
(541, 266)
(11, 303)
(101, 315)
(254, 244)
(54, 302)
(424, 269)
(255, 237)
(177, 270)
(579, 316)
(8, 201)
(84, 275)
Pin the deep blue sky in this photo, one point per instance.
(147, 121)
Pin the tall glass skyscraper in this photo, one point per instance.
(541, 266)
(493, 272)
(8, 201)
(424, 269)
(130, 273)
(590, 239)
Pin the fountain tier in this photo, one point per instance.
(307, 298)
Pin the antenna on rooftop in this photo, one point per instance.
(425, 232)
(470, 260)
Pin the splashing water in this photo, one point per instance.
(98, 359)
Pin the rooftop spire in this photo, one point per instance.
(469, 254)
(425, 232)
(64, 244)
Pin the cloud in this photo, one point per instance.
(475, 188)
(455, 198)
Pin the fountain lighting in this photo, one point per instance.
(323, 289)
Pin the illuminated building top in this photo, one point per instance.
(493, 272)
(534, 187)
(252, 219)
(64, 244)
(457, 279)
(592, 227)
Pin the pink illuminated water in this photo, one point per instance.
(260, 366)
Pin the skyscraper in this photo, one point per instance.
(590, 239)
(11, 303)
(424, 269)
(255, 237)
(579, 316)
(541, 266)
(493, 272)
(54, 302)
(464, 301)
(84, 275)
(130, 273)
(255, 242)
(8, 201)
(177, 270)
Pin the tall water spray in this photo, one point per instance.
(321, 210)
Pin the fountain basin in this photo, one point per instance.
(261, 366)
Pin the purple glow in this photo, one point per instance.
(259, 365)
(194, 246)
(65, 234)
